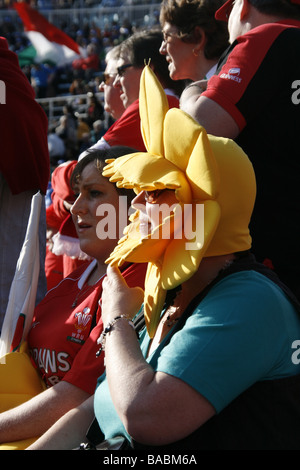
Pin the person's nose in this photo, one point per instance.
(79, 206)
(162, 49)
(116, 82)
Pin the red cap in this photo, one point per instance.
(223, 13)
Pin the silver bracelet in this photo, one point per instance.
(107, 329)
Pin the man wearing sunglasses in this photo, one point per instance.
(254, 99)
(113, 104)
(134, 51)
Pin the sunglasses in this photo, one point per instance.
(122, 68)
(106, 78)
(152, 196)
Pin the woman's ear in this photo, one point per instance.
(200, 39)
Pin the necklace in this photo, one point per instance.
(83, 291)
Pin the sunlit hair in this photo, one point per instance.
(113, 54)
(187, 14)
(143, 47)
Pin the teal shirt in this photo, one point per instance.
(241, 332)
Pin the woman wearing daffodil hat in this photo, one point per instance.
(215, 356)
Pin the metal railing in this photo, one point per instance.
(53, 106)
(142, 14)
(145, 13)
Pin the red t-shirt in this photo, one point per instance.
(127, 129)
(62, 344)
(250, 81)
(258, 85)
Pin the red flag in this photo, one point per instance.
(34, 21)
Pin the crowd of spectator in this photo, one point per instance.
(82, 121)
(87, 35)
(59, 4)
(79, 127)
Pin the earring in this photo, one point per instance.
(196, 52)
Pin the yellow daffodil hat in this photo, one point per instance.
(214, 184)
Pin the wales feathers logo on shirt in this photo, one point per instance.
(82, 320)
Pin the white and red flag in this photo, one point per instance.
(50, 43)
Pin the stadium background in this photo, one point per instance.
(102, 23)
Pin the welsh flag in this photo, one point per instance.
(49, 44)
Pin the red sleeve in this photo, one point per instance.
(127, 129)
(86, 367)
(230, 86)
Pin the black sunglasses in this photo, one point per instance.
(122, 68)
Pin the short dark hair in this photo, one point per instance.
(99, 157)
(142, 48)
(187, 14)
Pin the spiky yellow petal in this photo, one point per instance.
(204, 171)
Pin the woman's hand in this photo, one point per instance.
(118, 298)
